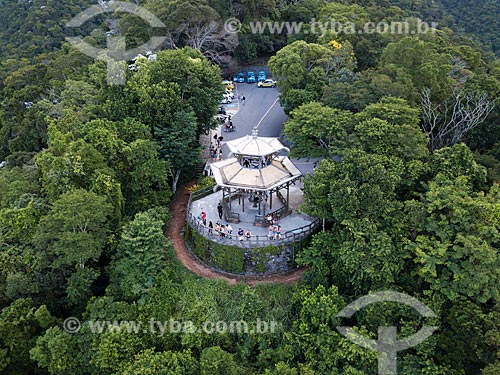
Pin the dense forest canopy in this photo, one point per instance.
(406, 125)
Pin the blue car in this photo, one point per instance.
(240, 77)
(251, 77)
(261, 76)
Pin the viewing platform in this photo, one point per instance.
(254, 184)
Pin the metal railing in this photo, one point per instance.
(254, 240)
(198, 194)
(279, 213)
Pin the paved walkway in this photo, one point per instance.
(291, 223)
(174, 232)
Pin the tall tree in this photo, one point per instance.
(74, 231)
(163, 363)
(182, 156)
(70, 239)
(316, 130)
(20, 324)
(306, 68)
(455, 239)
(140, 257)
(196, 83)
(448, 122)
(422, 60)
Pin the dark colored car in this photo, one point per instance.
(251, 77)
(240, 77)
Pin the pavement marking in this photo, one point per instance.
(265, 114)
(236, 106)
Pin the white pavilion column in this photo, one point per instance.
(287, 196)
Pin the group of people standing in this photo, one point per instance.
(226, 230)
(216, 148)
(222, 230)
(273, 227)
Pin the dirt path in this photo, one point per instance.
(174, 231)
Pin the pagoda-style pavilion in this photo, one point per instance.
(255, 170)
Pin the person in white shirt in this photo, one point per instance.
(229, 230)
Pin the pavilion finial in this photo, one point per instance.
(255, 132)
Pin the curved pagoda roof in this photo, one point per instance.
(230, 173)
(252, 145)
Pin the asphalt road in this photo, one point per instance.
(261, 109)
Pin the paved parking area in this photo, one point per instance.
(261, 107)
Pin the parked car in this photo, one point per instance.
(228, 85)
(267, 83)
(261, 76)
(240, 77)
(229, 94)
(251, 77)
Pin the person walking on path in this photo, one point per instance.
(220, 210)
(210, 228)
(248, 234)
(229, 230)
(240, 235)
(204, 218)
